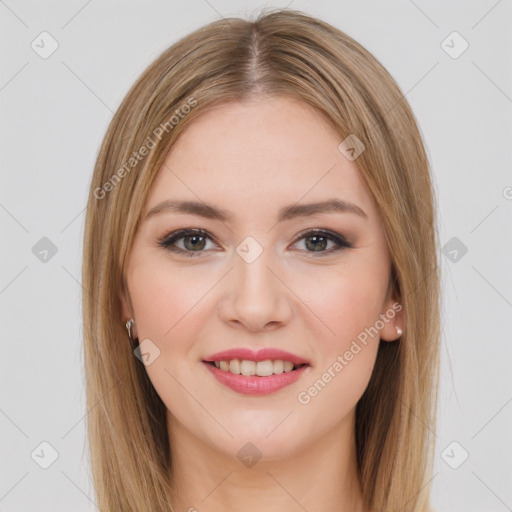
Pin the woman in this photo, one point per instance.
(262, 223)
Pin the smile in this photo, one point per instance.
(252, 383)
(260, 372)
(261, 368)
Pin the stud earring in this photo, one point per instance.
(399, 331)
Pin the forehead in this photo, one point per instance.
(255, 154)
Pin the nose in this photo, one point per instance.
(257, 297)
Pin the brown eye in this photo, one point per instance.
(194, 241)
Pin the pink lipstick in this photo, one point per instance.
(255, 384)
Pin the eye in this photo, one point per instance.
(318, 240)
(195, 241)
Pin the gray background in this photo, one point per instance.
(54, 112)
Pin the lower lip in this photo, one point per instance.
(254, 385)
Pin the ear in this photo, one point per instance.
(393, 318)
(126, 306)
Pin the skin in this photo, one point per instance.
(254, 158)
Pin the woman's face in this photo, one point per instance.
(252, 280)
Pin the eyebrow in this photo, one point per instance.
(209, 211)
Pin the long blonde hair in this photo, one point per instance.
(282, 52)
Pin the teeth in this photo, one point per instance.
(234, 366)
(247, 367)
(278, 366)
(264, 368)
(260, 368)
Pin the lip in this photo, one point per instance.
(261, 355)
(255, 385)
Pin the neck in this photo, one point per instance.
(322, 476)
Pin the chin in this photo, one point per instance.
(257, 443)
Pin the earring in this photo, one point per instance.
(399, 331)
(129, 326)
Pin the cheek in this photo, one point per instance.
(348, 306)
(168, 310)
(163, 302)
(172, 309)
(347, 341)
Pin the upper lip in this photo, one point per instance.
(261, 355)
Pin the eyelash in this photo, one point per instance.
(171, 238)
